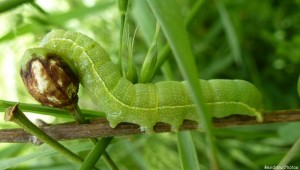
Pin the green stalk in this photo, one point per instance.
(188, 155)
(122, 9)
(45, 110)
(95, 154)
(15, 115)
(78, 116)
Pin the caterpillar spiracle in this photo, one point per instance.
(143, 104)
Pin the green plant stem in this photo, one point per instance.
(79, 118)
(188, 155)
(295, 149)
(15, 115)
(45, 110)
(95, 154)
(77, 115)
(123, 10)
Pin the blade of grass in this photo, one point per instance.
(211, 36)
(45, 110)
(230, 32)
(13, 114)
(146, 22)
(122, 4)
(295, 149)
(100, 149)
(186, 147)
(187, 150)
(131, 73)
(168, 15)
(193, 12)
(167, 71)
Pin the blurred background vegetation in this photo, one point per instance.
(255, 41)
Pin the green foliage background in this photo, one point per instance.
(256, 41)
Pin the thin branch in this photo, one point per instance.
(100, 127)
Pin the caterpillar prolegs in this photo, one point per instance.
(143, 104)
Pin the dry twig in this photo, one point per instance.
(100, 127)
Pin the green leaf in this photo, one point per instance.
(173, 27)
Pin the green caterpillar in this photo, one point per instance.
(143, 104)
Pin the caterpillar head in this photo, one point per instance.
(48, 79)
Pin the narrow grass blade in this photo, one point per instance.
(187, 151)
(45, 110)
(131, 73)
(173, 27)
(230, 32)
(295, 150)
(122, 10)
